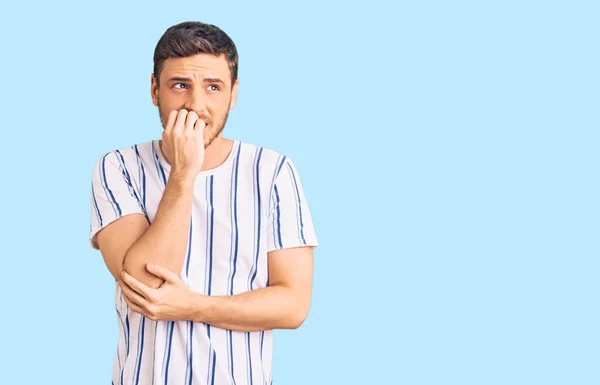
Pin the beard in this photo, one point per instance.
(211, 131)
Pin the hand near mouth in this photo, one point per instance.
(183, 143)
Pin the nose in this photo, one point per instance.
(196, 102)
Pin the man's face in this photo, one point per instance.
(199, 83)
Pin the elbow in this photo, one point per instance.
(136, 267)
(296, 318)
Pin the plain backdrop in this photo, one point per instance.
(448, 151)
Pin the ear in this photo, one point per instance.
(154, 90)
(234, 93)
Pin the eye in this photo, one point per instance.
(179, 84)
(214, 87)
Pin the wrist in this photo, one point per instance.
(181, 179)
(203, 307)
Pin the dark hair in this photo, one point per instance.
(193, 37)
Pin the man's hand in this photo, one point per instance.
(171, 301)
(183, 143)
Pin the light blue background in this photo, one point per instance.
(448, 150)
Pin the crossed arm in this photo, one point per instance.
(146, 260)
(282, 305)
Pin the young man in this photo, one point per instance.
(210, 240)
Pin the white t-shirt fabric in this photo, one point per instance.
(250, 205)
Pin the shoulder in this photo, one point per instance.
(123, 160)
(126, 154)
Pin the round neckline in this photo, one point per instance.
(167, 167)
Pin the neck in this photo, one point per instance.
(216, 153)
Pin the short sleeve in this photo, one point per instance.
(290, 220)
(113, 194)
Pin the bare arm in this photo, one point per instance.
(283, 305)
(130, 242)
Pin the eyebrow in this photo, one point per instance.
(189, 80)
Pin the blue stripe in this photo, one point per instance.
(191, 353)
(208, 289)
(212, 220)
(234, 243)
(142, 175)
(159, 168)
(187, 263)
(273, 201)
(275, 174)
(141, 349)
(168, 350)
(109, 194)
(249, 357)
(190, 325)
(128, 178)
(230, 348)
(228, 334)
(254, 269)
(262, 340)
(278, 217)
(281, 165)
(206, 267)
(128, 332)
(299, 204)
(258, 225)
(124, 170)
(121, 368)
(214, 366)
(273, 219)
(187, 352)
(235, 221)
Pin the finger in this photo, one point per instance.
(137, 286)
(191, 119)
(199, 127)
(131, 294)
(180, 121)
(136, 308)
(163, 273)
(171, 120)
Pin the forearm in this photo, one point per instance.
(274, 307)
(165, 241)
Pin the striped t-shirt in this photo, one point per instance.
(250, 205)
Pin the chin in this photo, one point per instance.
(213, 136)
